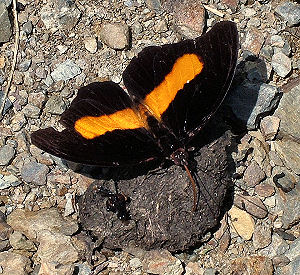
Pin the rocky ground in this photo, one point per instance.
(66, 44)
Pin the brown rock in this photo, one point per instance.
(253, 265)
(232, 4)
(264, 190)
(253, 41)
(253, 205)
(14, 264)
(269, 126)
(261, 236)
(253, 174)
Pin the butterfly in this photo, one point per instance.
(172, 92)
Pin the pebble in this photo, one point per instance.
(277, 247)
(27, 27)
(294, 249)
(269, 126)
(14, 263)
(161, 262)
(291, 269)
(5, 231)
(194, 268)
(258, 265)
(91, 44)
(35, 173)
(262, 236)
(284, 179)
(5, 30)
(253, 41)
(290, 12)
(7, 181)
(32, 224)
(231, 4)
(7, 153)
(280, 260)
(65, 71)
(264, 190)
(253, 205)
(41, 73)
(24, 65)
(253, 174)
(241, 222)
(19, 242)
(62, 15)
(55, 105)
(37, 99)
(281, 64)
(114, 35)
(31, 111)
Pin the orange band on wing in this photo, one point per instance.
(90, 126)
(185, 69)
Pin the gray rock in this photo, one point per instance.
(5, 30)
(290, 12)
(35, 173)
(60, 14)
(294, 250)
(284, 179)
(65, 71)
(153, 4)
(27, 27)
(7, 181)
(8, 104)
(55, 105)
(31, 111)
(277, 247)
(83, 269)
(291, 269)
(114, 35)
(24, 65)
(249, 101)
(7, 153)
(281, 64)
(261, 236)
(289, 203)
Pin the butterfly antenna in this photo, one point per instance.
(193, 185)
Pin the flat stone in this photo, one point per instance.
(264, 190)
(19, 242)
(60, 14)
(194, 268)
(253, 41)
(242, 222)
(5, 30)
(262, 236)
(231, 4)
(14, 264)
(258, 265)
(32, 224)
(269, 126)
(280, 260)
(253, 205)
(275, 159)
(114, 35)
(281, 64)
(277, 247)
(288, 110)
(55, 105)
(249, 101)
(284, 179)
(161, 262)
(27, 27)
(290, 12)
(253, 174)
(35, 173)
(24, 65)
(37, 99)
(7, 181)
(293, 252)
(289, 203)
(65, 71)
(291, 269)
(31, 111)
(5, 231)
(91, 44)
(7, 153)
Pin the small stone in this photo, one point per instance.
(290, 12)
(277, 41)
(281, 64)
(253, 41)
(253, 205)
(91, 45)
(269, 126)
(267, 52)
(261, 237)
(5, 231)
(231, 4)
(275, 159)
(264, 190)
(280, 260)
(41, 73)
(254, 265)
(135, 263)
(248, 12)
(7, 181)
(69, 207)
(161, 262)
(19, 242)
(242, 223)
(24, 65)
(13, 263)
(65, 71)
(253, 174)
(293, 252)
(35, 173)
(284, 179)
(55, 105)
(5, 30)
(7, 153)
(27, 27)
(114, 35)
(153, 4)
(18, 78)
(194, 268)
(290, 269)
(37, 99)
(31, 111)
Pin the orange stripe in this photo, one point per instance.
(185, 69)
